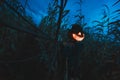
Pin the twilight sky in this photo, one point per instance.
(92, 9)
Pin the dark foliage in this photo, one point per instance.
(26, 53)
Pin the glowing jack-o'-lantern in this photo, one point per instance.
(76, 33)
(78, 37)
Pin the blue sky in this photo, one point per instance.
(92, 9)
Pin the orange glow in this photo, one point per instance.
(79, 33)
(78, 37)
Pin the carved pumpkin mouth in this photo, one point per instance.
(78, 37)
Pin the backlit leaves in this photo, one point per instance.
(118, 1)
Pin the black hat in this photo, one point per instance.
(76, 28)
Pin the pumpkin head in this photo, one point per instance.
(76, 33)
(78, 37)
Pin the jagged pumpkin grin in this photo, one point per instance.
(78, 37)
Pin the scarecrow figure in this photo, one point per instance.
(70, 53)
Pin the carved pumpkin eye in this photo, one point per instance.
(78, 37)
(79, 33)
